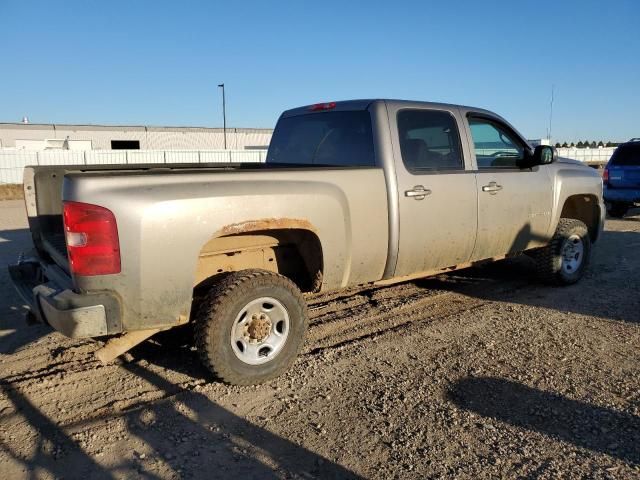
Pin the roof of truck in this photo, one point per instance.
(363, 104)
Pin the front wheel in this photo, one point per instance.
(251, 326)
(564, 260)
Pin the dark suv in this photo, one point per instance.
(622, 179)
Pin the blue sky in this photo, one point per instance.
(158, 63)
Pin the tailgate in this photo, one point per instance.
(624, 176)
(43, 198)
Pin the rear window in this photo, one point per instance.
(627, 155)
(326, 138)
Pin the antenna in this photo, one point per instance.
(550, 113)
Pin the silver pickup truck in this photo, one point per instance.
(353, 192)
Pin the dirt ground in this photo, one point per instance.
(10, 191)
(483, 373)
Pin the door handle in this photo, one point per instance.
(492, 188)
(418, 192)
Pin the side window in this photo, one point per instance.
(429, 140)
(494, 145)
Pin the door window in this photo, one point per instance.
(494, 145)
(429, 140)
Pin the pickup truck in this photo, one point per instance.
(352, 192)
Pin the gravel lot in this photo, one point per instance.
(480, 374)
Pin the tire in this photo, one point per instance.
(617, 210)
(552, 266)
(251, 326)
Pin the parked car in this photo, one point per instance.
(353, 192)
(621, 179)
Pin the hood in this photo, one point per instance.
(571, 161)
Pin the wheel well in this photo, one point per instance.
(586, 209)
(294, 253)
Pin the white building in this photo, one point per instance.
(31, 136)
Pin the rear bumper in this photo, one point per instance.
(622, 195)
(72, 314)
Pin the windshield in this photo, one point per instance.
(326, 138)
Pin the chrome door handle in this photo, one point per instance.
(418, 192)
(492, 188)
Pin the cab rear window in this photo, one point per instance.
(324, 138)
(627, 155)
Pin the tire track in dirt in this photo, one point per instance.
(396, 311)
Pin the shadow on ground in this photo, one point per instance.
(612, 274)
(190, 435)
(12, 310)
(587, 426)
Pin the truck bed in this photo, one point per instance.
(43, 189)
(44, 193)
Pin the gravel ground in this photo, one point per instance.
(482, 373)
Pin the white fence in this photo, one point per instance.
(587, 155)
(12, 162)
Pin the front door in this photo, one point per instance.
(437, 191)
(514, 204)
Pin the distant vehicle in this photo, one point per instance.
(621, 179)
(355, 192)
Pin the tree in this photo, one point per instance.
(600, 144)
(580, 144)
(564, 145)
(557, 144)
(593, 145)
(572, 145)
(585, 144)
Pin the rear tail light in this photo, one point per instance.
(605, 176)
(92, 239)
(322, 106)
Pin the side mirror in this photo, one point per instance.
(542, 155)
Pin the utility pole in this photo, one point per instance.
(224, 116)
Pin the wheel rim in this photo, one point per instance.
(260, 331)
(572, 254)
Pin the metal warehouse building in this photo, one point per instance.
(31, 136)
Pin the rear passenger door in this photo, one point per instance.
(436, 189)
(514, 204)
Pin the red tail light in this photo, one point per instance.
(92, 239)
(322, 106)
(605, 176)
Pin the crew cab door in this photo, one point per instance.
(514, 204)
(436, 189)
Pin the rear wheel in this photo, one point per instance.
(618, 210)
(564, 260)
(251, 326)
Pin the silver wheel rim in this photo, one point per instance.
(572, 254)
(260, 331)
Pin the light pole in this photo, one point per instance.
(224, 116)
